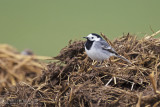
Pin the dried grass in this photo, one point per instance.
(15, 67)
(73, 80)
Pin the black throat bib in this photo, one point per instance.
(88, 44)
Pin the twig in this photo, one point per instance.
(139, 101)
(154, 34)
(154, 83)
(127, 81)
(151, 29)
(109, 82)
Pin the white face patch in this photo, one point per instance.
(93, 38)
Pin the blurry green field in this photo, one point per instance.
(46, 26)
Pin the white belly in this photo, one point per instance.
(97, 54)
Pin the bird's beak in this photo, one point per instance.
(85, 37)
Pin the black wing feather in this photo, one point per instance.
(107, 47)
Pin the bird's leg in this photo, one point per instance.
(94, 62)
(110, 62)
(98, 64)
(102, 62)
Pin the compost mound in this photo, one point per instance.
(75, 80)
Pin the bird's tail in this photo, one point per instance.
(123, 58)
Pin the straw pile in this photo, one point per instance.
(16, 67)
(73, 80)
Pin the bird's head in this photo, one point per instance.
(93, 37)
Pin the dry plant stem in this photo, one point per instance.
(42, 57)
(151, 29)
(156, 104)
(71, 96)
(128, 81)
(115, 81)
(156, 68)
(9, 71)
(148, 98)
(139, 100)
(154, 34)
(20, 64)
(109, 82)
(35, 90)
(153, 82)
(114, 102)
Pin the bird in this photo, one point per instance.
(98, 49)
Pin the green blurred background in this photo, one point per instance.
(46, 26)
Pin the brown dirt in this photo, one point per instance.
(73, 79)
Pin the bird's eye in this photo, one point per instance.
(92, 37)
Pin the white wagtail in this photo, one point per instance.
(98, 49)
